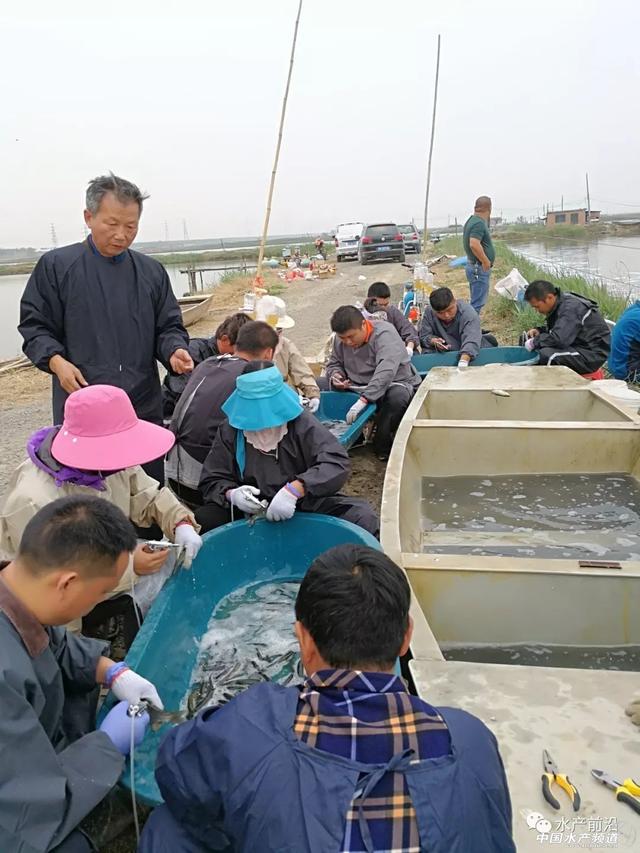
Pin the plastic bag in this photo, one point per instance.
(512, 286)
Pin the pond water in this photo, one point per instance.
(12, 287)
(615, 259)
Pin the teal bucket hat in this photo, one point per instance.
(261, 400)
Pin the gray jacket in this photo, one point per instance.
(48, 783)
(463, 333)
(376, 364)
(406, 330)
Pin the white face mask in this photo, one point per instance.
(266, 439)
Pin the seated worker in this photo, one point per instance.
(55, 768)
(348, 761)
(575, 334)
(452, 324)
(409, 298)
(199, 414)
(379, 291)
(371, 358)
(222, 343)
(273, 454)
(287, 357)
(624, 358)
(98, 450)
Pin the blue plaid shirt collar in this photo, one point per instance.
(354, 681)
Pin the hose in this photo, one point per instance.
(132, 778)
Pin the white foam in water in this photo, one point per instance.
(249, 639)
(600, 512)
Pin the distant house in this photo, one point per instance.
(579, 216)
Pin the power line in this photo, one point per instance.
(619, 203)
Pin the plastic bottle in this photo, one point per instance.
(249, 305)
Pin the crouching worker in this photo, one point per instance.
(98, 451)
(372, 359)
(575, 334)
(450, 324)
(55, 768)
(350, 760)
(273, 455)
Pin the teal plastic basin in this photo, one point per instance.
(521, 356)
(334, 406)
(232, 556)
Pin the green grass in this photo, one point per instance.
(611, 305)
(448, 246)
(17, 269)
(540, 231)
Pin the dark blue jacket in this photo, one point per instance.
(236, 779)
(624, 358)
(112, 318)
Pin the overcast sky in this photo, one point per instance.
(186, 102)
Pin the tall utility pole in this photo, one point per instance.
(166, 231)
(185, 232)
(588, 197)
(561, 202)
(433, 130)
(54, 238)
(267, 215)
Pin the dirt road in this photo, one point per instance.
(26, 395)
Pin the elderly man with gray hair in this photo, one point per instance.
(97, 312)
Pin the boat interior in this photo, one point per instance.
(492, 559)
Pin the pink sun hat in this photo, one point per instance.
(101, 432)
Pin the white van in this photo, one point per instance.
(347, 239)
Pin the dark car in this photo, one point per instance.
(381, 241)
(411, 238)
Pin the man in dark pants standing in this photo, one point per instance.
(371, 358)
(98, 313)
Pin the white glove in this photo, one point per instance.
(358, 407)
(529, 344)
(246, 499)
(313, 405)
(283, 505)
(133, 688)
(463, 363)
(186, 536)
(409, 350)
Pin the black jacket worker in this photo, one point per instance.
(97, 312)
(575, 334)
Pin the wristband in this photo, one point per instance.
(182, 523)
(364, 400)
(293, 491)
(113, 672)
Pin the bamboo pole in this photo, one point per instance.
(267, 215)
(433, 130)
